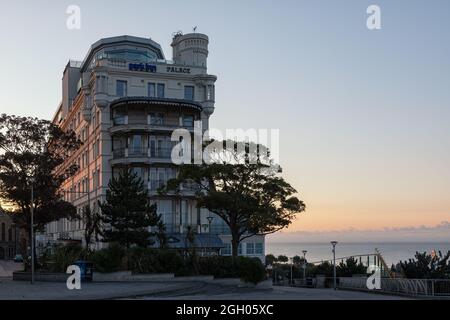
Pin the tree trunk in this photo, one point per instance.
(234, 244)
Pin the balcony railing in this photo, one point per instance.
(159, 153)
(153, 122)
(137, 152)
(120, 120)
(163, 153)
(154, 185)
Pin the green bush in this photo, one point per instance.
(147, 260)
(110, 259)
(247, 269)
(62, 257)
(250, 269)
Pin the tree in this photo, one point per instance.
(297, 260)
(34, 152)
(270, 259)
(92, 225)
(242, 187)
(426, 266)
(282, 258)
(161, 234)
(127, 213)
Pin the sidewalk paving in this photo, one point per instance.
(195, 290)
(7, 267)
(280, 293)
(17, 290)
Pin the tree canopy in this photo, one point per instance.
(127, 213)
(33, 152)
(242, 187)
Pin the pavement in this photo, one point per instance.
(7, 267)
(23, 290)
(172, 290)
(181, 290)
(277, 293)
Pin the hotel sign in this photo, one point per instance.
(178, 70)
(145, 67)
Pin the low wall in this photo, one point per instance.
(40, 276)
(128, 276)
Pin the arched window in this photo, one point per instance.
(3, 231)
(10, 234)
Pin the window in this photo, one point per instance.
(151, 90)
(209, 92)
(240, 248)
(226, 251)
(156, 118)
(139, 171)
(3, 231)
(121, 88)
(258, 248)
(161, 90)
(119, 115)
(136, 144)
(189, 92)
(96, 178)
(250, 248)
(10, 234)
(94, 150)
(188, 121)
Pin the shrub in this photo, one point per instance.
(250, 269)
(247, 269)
(110, 259)
(62, 257)
(147, 260)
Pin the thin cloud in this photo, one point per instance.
(438, 233)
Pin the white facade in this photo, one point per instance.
(123, 101)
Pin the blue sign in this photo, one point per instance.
(144, 67)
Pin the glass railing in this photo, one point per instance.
(137, 152)
(119, 153)
(119, 120)
(163, 153)
(154, 185)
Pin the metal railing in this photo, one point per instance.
(412, 287)
(154, 185)
(160, 153)
(163, 153)
(137, 152)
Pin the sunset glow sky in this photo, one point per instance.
(364, 116)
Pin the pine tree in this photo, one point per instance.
(127, 213)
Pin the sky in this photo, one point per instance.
(363, 114)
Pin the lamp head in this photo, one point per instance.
(334, 243)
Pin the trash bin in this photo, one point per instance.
(86, 269)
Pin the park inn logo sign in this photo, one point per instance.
(147, 67)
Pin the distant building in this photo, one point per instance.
(9, 237)
(123, 101)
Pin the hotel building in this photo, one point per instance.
(123, 101)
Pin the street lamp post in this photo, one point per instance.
(32, 230)
(304, 264)
(292, 265)
(334, 243)
(210, 219)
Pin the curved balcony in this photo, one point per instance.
(141, 155)
(133, 113)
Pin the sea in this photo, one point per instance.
(392, 252)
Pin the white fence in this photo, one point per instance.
(413, 287)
